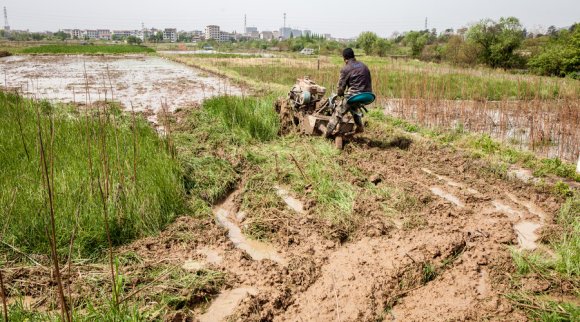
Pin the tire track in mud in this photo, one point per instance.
(490, 213)
(465, 242)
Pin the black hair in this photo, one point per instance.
(348, 53)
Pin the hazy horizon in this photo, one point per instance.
(343, 19)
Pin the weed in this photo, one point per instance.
(428, 273)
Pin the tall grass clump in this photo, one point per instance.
(210, 143)
(250, 117)
(91, 162)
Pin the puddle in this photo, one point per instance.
(532, 208)
(450, 182)
(447, 196)
(211, 255)
(512, 214)
(527, 237)
(226, 303)
(141, 80)
(290, 201)
(256, 249)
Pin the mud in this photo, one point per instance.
(445, 255)
(142, 81)
(290, 201)
(226, 303)
(225, 215)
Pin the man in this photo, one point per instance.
(355, 78)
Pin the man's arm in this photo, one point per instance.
(342, 82)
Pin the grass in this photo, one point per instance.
(87, 151)
(87, 49)
(561, 269)
(393, 79)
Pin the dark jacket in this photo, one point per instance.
(355, 78)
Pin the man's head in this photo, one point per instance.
(347, 54)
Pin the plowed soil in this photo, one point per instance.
(450, 262)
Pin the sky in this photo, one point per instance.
(340, 18)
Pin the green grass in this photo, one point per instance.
(87, 49)
(395, 79)
(87, 150)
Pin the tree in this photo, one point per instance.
(132, 40)
(381, 47)
(366, 41)
(498, 41)
(417, 41)
(560, 56)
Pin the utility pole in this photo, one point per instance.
(143, 32)
(6, 25)
(426, 25)
(284, 35)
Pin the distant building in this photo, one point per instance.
(327, 36)
(276, 34)
(104, 34)
(123, 33)
(73, 33)
(90, 34)
(267, 35)
(296, 33)
(170, 34)
(212, 32)
(285, 32)
(250, 30)
(225, 36)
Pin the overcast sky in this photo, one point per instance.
(341, 18)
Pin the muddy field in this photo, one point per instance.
(139, 80)
(450, 262)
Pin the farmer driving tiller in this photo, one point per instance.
(307, 109)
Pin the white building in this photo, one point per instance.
(73, 33)
(104, 34)
(267, 35)
(212, 32)
(225, 36)
(170, 34)
(90, 34)
(124, 33)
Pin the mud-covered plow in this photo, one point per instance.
(308, 111)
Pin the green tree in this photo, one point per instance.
(498, 41)
(560, 56)
(132, 40)
(381, 47)
(417, 40)
(366, 41)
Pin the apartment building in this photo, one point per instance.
(212, 32)
(170, 34)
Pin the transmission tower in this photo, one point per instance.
(6, 25)
(245, 23)
(426, 25)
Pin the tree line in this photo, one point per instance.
(498, 44)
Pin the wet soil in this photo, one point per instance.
(452, 265)
(142, 81)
